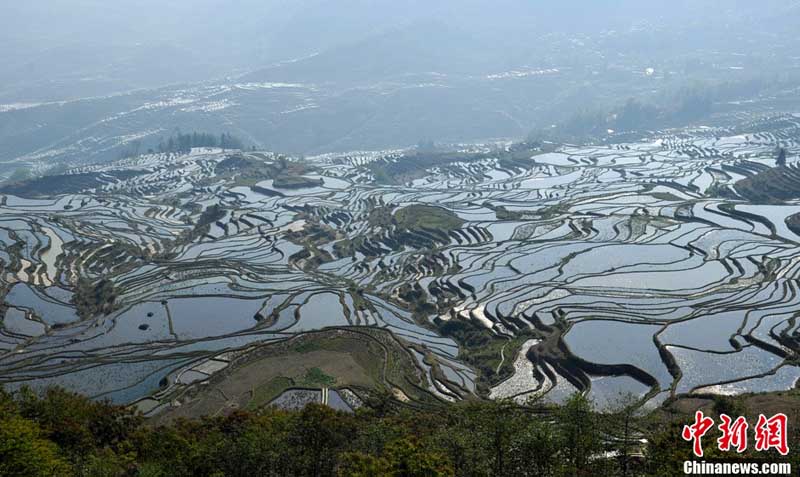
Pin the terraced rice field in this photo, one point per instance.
(629, 273)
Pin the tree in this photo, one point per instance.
(20, 174)
(407, 458)
(622, 426)
(357, 464)
(105, 463)
(667, 448)
(25, 451)
(534, 449)
(254, 445)
(579, 434)
(318, 433)
(76, 424)
(780, 161)
(283, 164)
(730, 406)
(501, 422)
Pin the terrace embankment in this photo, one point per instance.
(555, 352)
(771, 186)
(793, 222)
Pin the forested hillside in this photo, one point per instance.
(61, 433)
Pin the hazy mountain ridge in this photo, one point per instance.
(372, 74)
(253, 34)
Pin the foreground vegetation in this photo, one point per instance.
(60, 433)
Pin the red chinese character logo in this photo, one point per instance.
(734, 433)
(696, 431)
(771, 433)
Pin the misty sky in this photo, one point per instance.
(375, 73)
(212, 38)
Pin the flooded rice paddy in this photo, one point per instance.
(633, 278)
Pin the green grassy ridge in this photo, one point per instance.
(420, 217)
